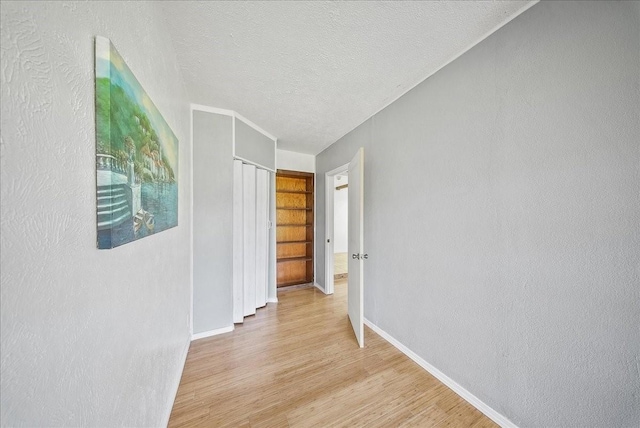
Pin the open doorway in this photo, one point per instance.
(355, 241)
(337, 214)
(340, 226)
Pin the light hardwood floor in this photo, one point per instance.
(297, 363)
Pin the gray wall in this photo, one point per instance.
(502, 216)
(255, 146)
(212, 221)
(89, 337)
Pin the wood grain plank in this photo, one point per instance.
(297, 364)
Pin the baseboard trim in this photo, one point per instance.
(457, 388)
(212, 332)
(272, 300)
(176, 383)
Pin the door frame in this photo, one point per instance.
(328, 228)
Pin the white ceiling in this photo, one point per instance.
(310, 72)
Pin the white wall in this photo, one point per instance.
(502, 216)
(89, 337)
(340, 216)
(295, 161)
(212, 221)
(253, 146)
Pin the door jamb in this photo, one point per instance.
(329, 229)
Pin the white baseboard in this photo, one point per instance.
(176, 384)
(457, 388)
(272, 300)
(212, 332)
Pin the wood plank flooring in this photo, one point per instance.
(297, 364)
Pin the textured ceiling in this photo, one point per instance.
(309, 72)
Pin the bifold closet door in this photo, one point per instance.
(251, 201)
(262, 236)
(249, 237)
(238, 247)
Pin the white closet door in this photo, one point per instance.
(249, 238)
(272, 293)
(238, 252)
(262, 236)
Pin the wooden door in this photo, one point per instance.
(294, 227)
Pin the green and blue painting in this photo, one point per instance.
(136, 156)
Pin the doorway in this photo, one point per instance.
(336, 226)
(294, 227)
(355, 240)
(340, 226)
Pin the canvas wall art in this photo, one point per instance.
(136, 156)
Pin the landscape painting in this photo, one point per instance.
(136, 156)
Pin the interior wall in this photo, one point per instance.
(502, 216)
(254, 146)
(212, 221)
(89, 337)
(294, 161)
(213, 224)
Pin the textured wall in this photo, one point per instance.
(89, 338)
(502, 216)
(212, 221)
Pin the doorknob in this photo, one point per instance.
(355, 256)
(365, 256)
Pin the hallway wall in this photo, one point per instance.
(89, 337)
(212, 221)
(502, 216)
